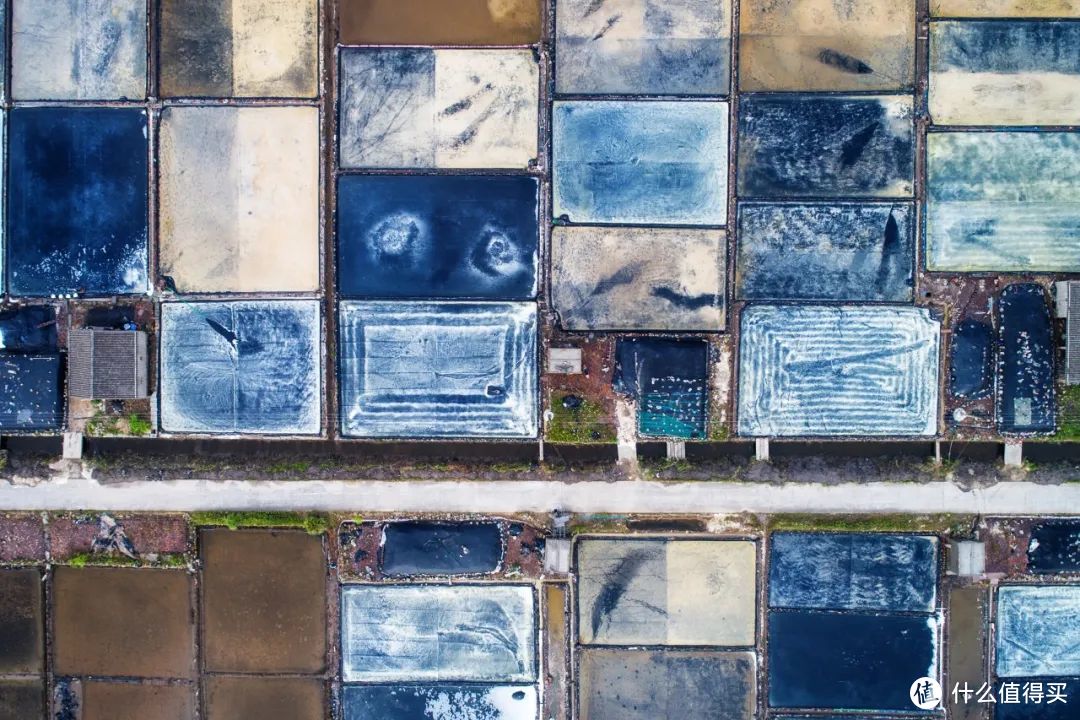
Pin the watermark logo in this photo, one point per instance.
(925, 693)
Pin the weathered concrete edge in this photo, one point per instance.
(1008, 498)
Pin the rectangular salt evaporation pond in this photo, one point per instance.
(78, 50)
(441, 108)
(1055, 547)
(825, 45)
(441, 702)
(851, 661)
(849, 571)
(666, 592)
(77, 201)
(1005, 8)
(802, 145)
(833, 371)
(436, 22)
(241, 367)
(826, 251)
(437, 236)
(241, 48)
(1020, 72)
(1003, 201)
(652, 684)
(669, 379)
(1037, 631)
(31, 392)
(438, 369)
(424, 548)
(971, 359)
(640, 163)
(615, 278)
(1026, 391)
(643, 48)
(418, 633)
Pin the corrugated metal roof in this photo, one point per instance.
(107, 364)
(1072, 335)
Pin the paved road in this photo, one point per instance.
(540, 496)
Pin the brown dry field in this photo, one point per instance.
(263, 602)
(128, 622)
(438, 22)
(21, 699)
(21, 645)
(263, 698)
(119, 701)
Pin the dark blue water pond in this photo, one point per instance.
(857, 571)
(31, 392)
(1055, 547)
(420, 702)
(800, 145)
(77, 201)
(419, 548)
(826, 251)
(437, 237)
(1026, 401)
(971, 361)
(28, 329)
(847, 661)
(1035, 46)
(669, 378)
(1028, 709)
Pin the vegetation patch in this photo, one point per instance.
(1068, 413)
(953, 525)
(577, 421)
(91, 559)
(313, 523)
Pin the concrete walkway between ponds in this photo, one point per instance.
(1008, 498)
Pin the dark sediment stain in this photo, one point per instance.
(229, 335)
(687, 302)
(844, 62)
(196, 48)
(436, 22)
(615, 585)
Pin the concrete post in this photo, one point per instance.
(73, 446)
(1014, 454)
(761, 449)
(676, 450)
